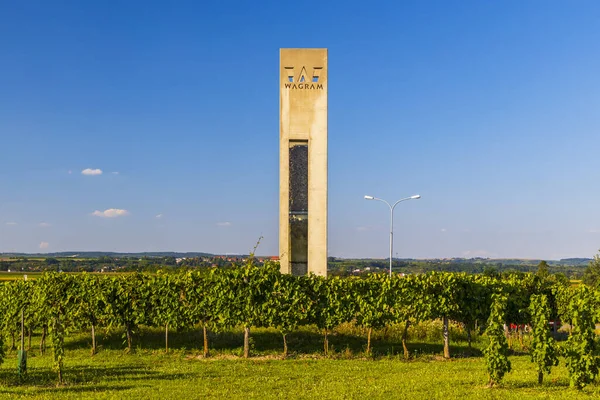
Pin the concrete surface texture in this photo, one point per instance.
(303, 161)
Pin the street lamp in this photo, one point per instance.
(416, 196)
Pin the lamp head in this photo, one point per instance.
(416, 196)
(369, 197)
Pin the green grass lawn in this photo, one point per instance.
(149, 373)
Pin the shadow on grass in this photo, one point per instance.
(143, 337)
(344, 345)
(66, 389)
(267, 342)
(418, 349)
(549, 383)
(93, 377)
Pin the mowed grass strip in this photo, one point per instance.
(175, 376)
(150, 373)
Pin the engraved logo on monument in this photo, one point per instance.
(303, 80)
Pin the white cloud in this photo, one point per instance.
(44, 224)
(11, 223)
(44, 245)
(89, 171)
(111, 213)
(115, 173)
(159, 216)
(594, 230)
(226, 223)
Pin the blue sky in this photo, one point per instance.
(489, 110)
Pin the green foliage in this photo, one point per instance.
(57, 337)
(543, 348)
(288, 304)
(57, 299)
(441, 294)
(14, 299)
(244, 295)
(246, 291)
(517, 288)
(2, 351)
(543, 270)
(164, 293)
(411, 302)
(496, 354)
(127, 305)
(202, 301)
(374, 303)
(332, 303)
(442, 299)
(581, 350)
(90, 298)
(591, 276)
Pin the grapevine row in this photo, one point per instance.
(249, 297)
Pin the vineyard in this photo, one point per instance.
(56, 306)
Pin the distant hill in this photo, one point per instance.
(574, 261)
(499, 261)
(520, 261)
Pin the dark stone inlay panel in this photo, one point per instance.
(298, 177)
(299, 244)
(298, 202)
(299, 269)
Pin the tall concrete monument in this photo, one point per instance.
(303, 161)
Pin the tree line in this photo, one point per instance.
(346, 267)
(120, 264)
(571, 269)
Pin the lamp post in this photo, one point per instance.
(416, 196)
